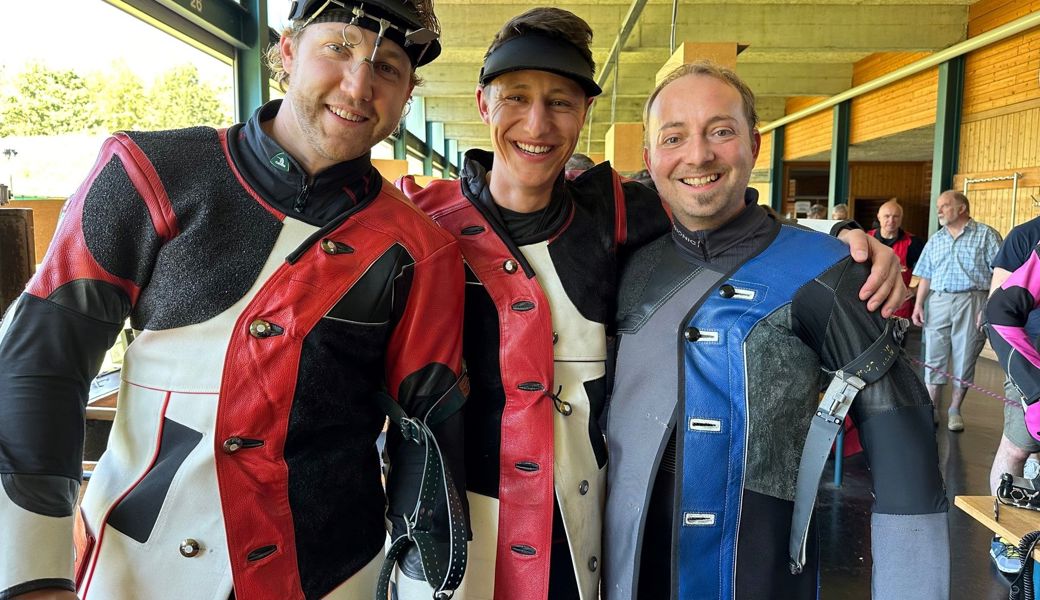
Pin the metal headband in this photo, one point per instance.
(385, 17)
(540, 53)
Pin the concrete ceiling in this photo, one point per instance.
(794, 48)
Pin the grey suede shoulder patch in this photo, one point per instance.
(780, 403)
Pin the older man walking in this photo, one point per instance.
(955, 274)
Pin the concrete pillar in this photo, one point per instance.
(624, 146)
(723, 53)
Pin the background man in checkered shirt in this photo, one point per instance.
(955, 275)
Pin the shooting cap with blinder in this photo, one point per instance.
(406, 27)
(539, 52)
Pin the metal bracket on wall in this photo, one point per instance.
(1014, 177)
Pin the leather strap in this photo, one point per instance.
(848, 381)
(443, 572)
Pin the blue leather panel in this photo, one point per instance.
(713, 460)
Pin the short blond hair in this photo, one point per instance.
(711, 69)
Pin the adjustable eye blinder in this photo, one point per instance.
(419, 43)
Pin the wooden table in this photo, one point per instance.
(1012, 524)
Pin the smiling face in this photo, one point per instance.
(535, 119)
(339, 104)
(700, 150)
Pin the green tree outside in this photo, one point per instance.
(40, 101)
(47, 101)
(179, 99)
(120, 98)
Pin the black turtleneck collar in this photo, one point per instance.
(732, 243)
(522, 228)
(889, 241)
(276, 175)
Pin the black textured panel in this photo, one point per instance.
(335, 490)
(117, 227)
(645, 219)
(487, 399)
(136, 514)
(371, 299)
(99, 299)
(225, 235)
(596, 390)
(583, 253)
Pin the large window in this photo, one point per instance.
(61, 93)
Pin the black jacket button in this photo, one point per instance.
(691, 334)
(727, 291)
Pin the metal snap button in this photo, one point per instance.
(232, 445)
(260, 328)
(593, 563)
(583, 487)
(556, 338)
(334, 247)
(510, 266)
(190, 548)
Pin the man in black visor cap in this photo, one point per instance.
(288, 299)
(541, 255)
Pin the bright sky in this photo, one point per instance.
(88, 35)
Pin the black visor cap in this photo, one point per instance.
(540, 53)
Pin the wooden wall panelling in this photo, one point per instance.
(797, 103)
(991, 202)
(985, 15)
(906, 181)
(1002, 74)
(1006, 141)
(763, 191)
(880, 63)
(45, 220)
(904, 105)
(765, 151)
(808, 136)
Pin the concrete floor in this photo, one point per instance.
(965, 458)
